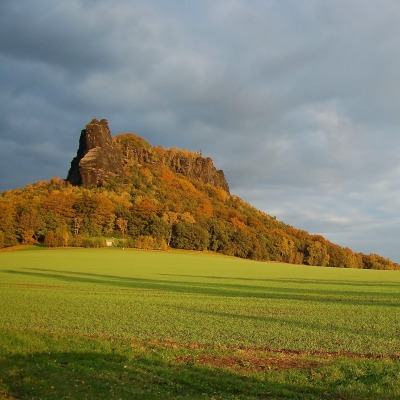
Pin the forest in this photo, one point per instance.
(149, 206)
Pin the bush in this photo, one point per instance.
(147, 242)
(77, 241)
(93, 242)
(50, 239)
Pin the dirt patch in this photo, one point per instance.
(249, 361)
(239, 358)
(177, 345)
(279, 353)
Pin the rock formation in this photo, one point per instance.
(100, 157)
(97, 157)
(196, 167)
(136, 151)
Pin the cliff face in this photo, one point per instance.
(136, 151)
(99, 157)
(196, 167)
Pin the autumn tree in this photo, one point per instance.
(154, 207)
(8, 222)
(317, 252)
(50, 239)
(78, 221)
(122, 226)
(170, 218)
(28, 222)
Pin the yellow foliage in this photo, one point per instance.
(187, 217)
(206, 209)
(146, 173)
(221, 194)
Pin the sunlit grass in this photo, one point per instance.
(83, 303)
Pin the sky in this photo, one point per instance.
(298, 101)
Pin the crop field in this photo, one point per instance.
(129, 324)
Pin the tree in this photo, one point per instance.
(62, 236)
(50, 239)
(122, 226)
(158, 228)
(337, 256)
(171, 218)
(283, 246)
(317, 252)
(242, 243)
(220, 236)
(28, 222)
(77, 225)
(189, 236)
(8, 222)
(103, 216)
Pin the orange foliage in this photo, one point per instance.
(238, 223)
(146, 208)
(167, 176)
(206, 209)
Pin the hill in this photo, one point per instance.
(155, 198)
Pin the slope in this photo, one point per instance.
(154, 198)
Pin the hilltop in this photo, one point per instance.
(100, 158)
(148, 197)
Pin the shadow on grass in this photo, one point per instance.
(365, 298)
(306, 281)
(75, 375)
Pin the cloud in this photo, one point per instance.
(296, 101)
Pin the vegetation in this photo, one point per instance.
(113, 323)
(150, 206)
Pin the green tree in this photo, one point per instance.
(242, 243)
(220, 233)
(189, 236)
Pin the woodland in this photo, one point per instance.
(150, 205)
(158, 209)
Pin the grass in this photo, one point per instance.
(80, 323)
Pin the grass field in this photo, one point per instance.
(113, 323)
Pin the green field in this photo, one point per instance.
(113, 323)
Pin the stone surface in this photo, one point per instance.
(136, 151)
(196, 167)
(97, 157)
(100, 157)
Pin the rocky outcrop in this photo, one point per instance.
(100, 157)
(136, 151)
(194, 166)
(97, 158)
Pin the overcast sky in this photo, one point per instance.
(298, 101)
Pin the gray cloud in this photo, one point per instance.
(296, 101)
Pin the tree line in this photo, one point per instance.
(154, 208)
